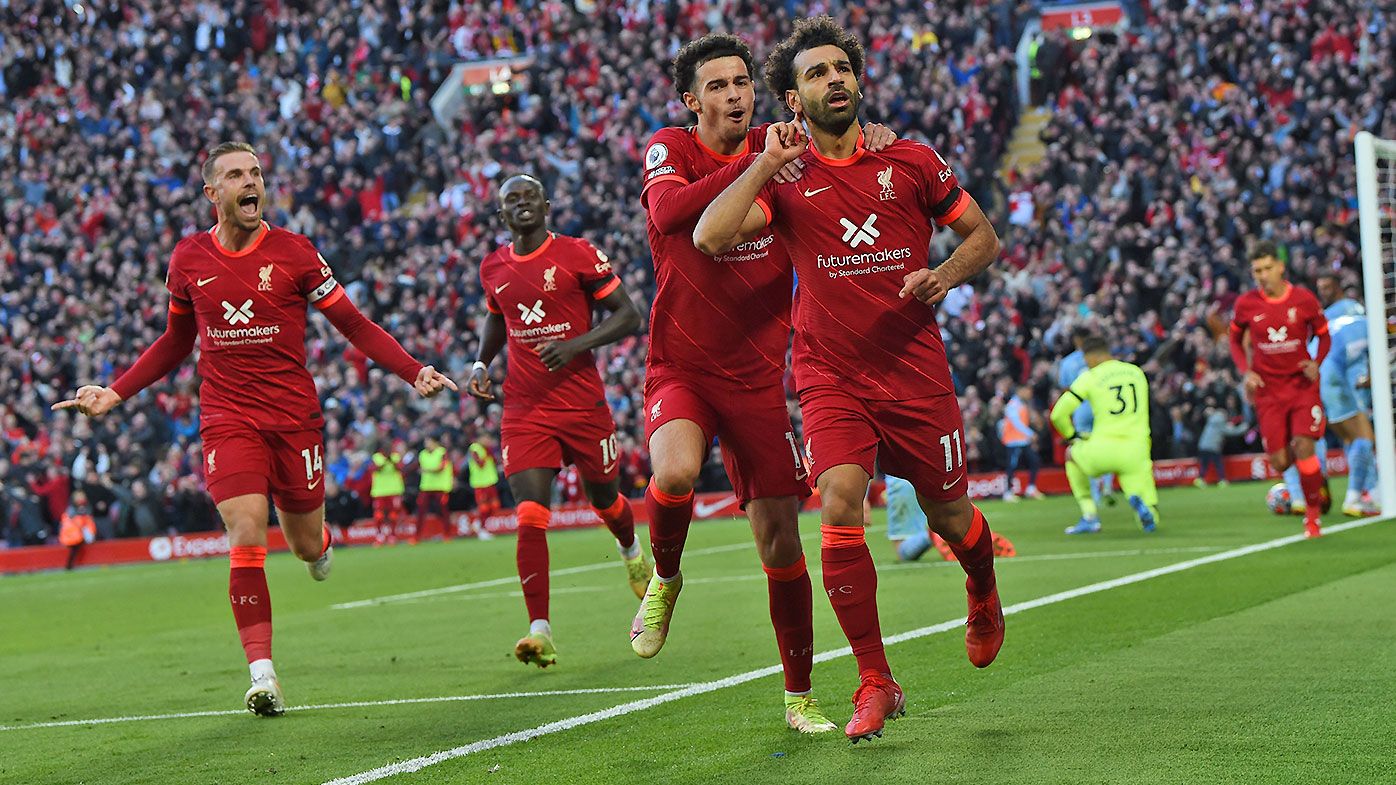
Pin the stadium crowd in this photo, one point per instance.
(1167, 149)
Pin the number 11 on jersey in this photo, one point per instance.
(957, 458)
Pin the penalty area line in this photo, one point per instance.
(558, 726)
(351, 705)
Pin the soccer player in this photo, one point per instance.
(718, 336)
(242, 287)
(1120, 439)
(434, 487)
(484, 482)
(870, 368)
(1072, 366)
(539, 290)
(1281, 379)
(1346, 393)
(386, 492)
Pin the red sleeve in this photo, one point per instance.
(490, 304)
(1319, 324)
(1238, 348)
(675, 205)
(163, 356)
(665, 160)
(314, 279)
(593, 268)
(178, 286)
(944, 200)
(371, 339)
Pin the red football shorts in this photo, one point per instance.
(542, 439)
(384, 506)
(486, 498)
(241, 460)
(759, 449)
(1286, 409)
(920, 440)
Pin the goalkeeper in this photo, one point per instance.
(1118, 393)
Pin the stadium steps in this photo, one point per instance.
(1026, 149)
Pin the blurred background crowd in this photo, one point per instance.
(1167, 148)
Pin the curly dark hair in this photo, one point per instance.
(697, 52)
(1262, 249)
(809, 33)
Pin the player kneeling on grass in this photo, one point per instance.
(1118, 393)
(539, 290)
(243, 287)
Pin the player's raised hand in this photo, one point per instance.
(1253, 382)
(1310, 369)
(928, 286)
(90, 400)
(431, 381)
(878, 137)
(480, 383)
(557, 354)
(785, 142)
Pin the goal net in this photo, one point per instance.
(1376, 198)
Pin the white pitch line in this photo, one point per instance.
(351, 705)
(417, 764)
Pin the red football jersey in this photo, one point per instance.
(546, 296)
(250, 311)
(1280, 330)
(854, 229)
(726, 316)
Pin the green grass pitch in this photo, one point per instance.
(1272, 667)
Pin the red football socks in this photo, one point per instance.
(850, 579)
(669, 519)
(620, 520)
(251, 601)
(792, 615)
(531, 554)
(1311, 480)
(976, 555)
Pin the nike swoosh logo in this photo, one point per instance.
(203, 281)
(501, 287)
(525, 581)
(608, 467)
(818, 190)
(310, 486)
(947, 486)
(704, 509)
(1258, 317)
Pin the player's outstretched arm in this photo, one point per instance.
(380, 347)
(734, 215)
(979, 247)
(623, 320)
(492, 338)
(163, 356)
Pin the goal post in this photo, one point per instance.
(1376, 205)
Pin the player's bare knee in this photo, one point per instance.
(841, 509)
(676, 479)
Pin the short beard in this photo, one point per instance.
(836, 124)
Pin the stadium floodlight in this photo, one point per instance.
(1376, 200)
